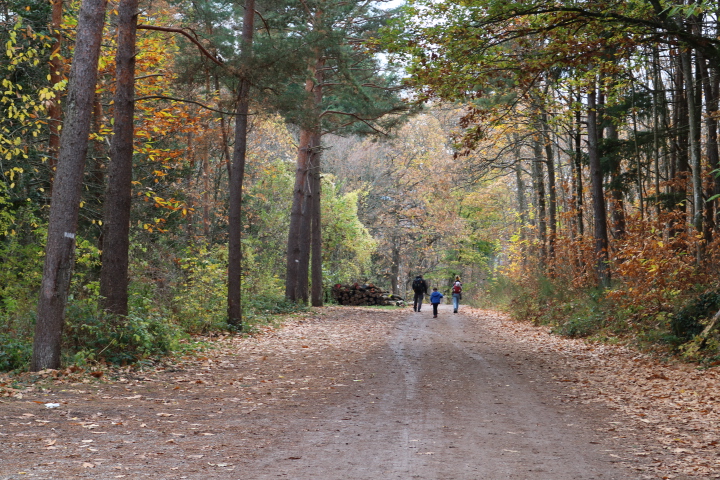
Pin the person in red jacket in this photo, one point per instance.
(456, 294)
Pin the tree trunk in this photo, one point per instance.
(305, 240)
(713, 156)
(520, 186)
(694, 135)
(395, 268)
(657, 124)
(552, 194)
(598, 195)
(539, 187)
(300, 234)
(237, 174)
(618, 197)
(296, 218)
(316, 185)
(578, 191)
(116, 212)
(67, 188)
(681, 126)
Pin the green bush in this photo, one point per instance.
(15, 353)
(199, 301)
(688, 321)
(581, 325)
(92, 334)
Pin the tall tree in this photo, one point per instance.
(116, 223)
(237, 173)
(598, 194)
(65, 203)
(345, 90)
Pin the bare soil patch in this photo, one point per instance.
(358, 393)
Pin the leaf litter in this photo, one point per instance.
(228, 404)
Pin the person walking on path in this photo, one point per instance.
(456, 294)
(420, 287)
(435, 298)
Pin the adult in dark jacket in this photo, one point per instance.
(420, 287)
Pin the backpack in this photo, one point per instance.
(417, 285)
(457, 288)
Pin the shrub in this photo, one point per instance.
(15, 353)
(92, 334)
(688, 322)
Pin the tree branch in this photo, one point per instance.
(187, 35)
(183, 100)
(356, 117)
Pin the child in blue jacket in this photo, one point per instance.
(435, 298)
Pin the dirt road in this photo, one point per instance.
(351, 394)
(444, 402)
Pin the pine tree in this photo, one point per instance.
(345, 90)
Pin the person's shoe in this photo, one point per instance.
(434, 316)
(414, 309)
(454, 311)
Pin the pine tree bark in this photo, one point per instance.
(301, 216)
(303, 281)
(598, 194)
(116, 213)
(292, 275)
(658, 117)
(237, 174)
(316, 294)
(67, 187)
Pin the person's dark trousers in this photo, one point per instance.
(417, 301)
(435, 306)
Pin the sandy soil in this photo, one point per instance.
(347, 393)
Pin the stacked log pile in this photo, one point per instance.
(366, 294)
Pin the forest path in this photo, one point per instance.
(359, 393)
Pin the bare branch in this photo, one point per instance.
(187, 35)
(183, 100)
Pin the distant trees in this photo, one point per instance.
(412, 200)
(617, 96)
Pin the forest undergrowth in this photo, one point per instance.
(660, 301)
(174, 301)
